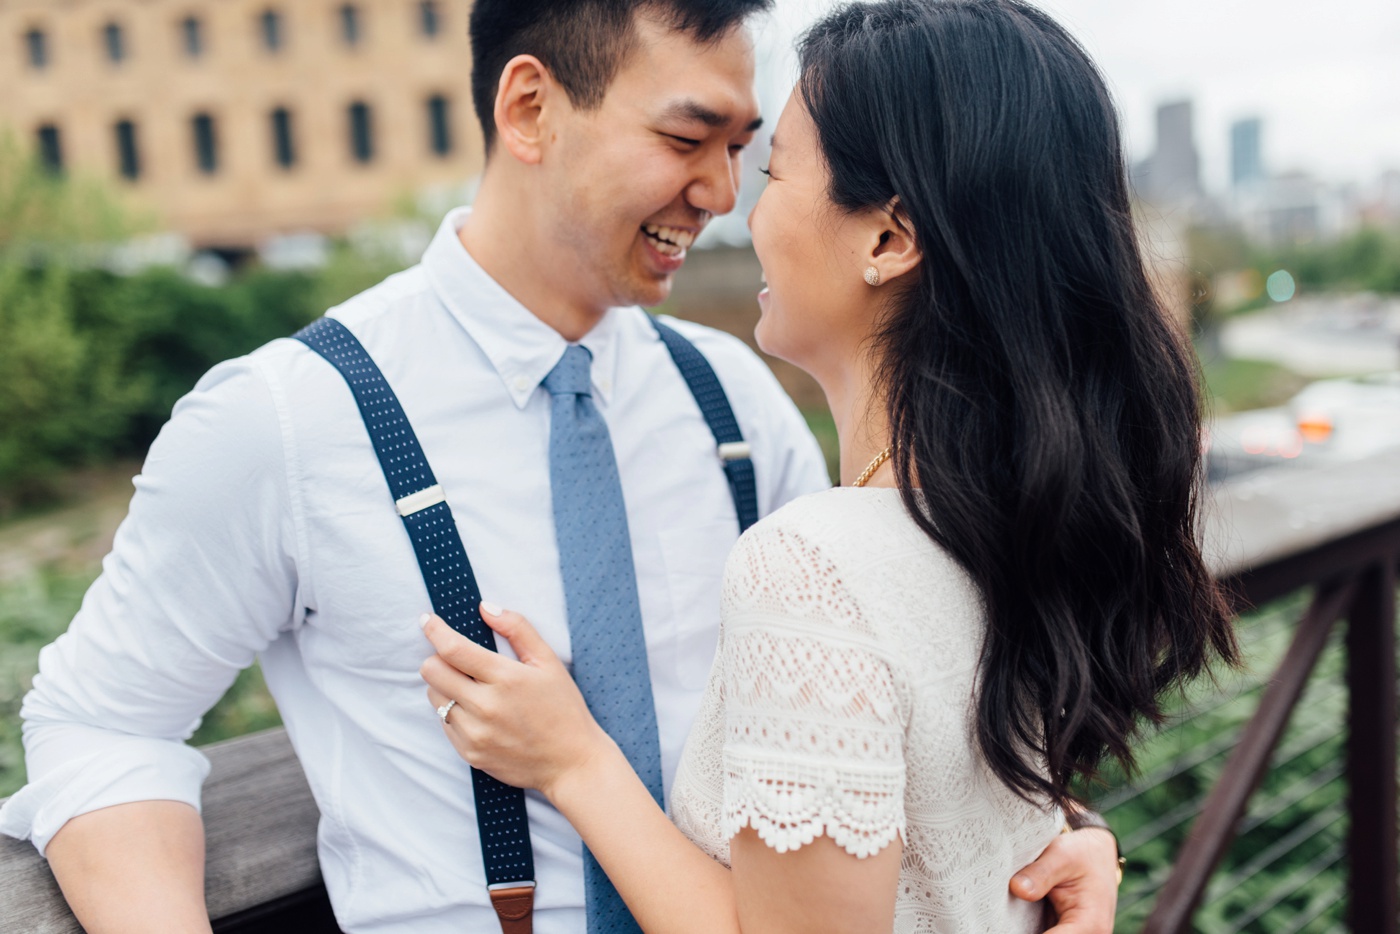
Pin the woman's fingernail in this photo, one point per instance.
(491, 609)
(423, 620)
(1024, 883)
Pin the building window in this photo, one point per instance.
(270, 24)
(439, 125)
(128, 157)
(361, 132)
(283, 146)
(36, 43)
(114, 41)
(350, 24)
(428, 19)
(192, 36)
(206, 143)
(50, 148)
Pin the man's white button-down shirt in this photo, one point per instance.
(262, 527)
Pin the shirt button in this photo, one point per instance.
(605, 385)
(521, 384)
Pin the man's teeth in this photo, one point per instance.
(669, 241)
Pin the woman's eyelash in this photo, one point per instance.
(764, 170)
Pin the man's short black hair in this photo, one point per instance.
(583, 43)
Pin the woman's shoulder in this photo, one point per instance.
(844, 558)
(847, 526)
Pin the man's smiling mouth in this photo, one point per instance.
(668, 241)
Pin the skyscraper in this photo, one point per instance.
(1175, 172)
(1246, 152)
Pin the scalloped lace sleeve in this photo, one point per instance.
(814, 723)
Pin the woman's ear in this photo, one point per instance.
(894, 249)
(526, 87)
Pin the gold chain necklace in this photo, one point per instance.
(869, 472)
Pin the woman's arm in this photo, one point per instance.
(668, 883)
(525, 723)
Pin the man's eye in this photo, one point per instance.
(682, 139)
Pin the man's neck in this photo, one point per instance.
(493, 236)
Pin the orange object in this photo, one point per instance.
(1315, 427)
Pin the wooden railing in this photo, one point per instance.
(261, 874)
(1267, 534)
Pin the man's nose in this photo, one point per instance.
(716, 188)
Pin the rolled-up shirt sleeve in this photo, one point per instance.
(203, 575)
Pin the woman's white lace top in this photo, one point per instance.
(841, 704)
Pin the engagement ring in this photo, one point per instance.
(444, 710)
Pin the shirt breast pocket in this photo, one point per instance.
(694, 559)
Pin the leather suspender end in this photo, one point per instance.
(515, 907)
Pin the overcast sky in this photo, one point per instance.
(1325, 77)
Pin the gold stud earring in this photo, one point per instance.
(872, 276)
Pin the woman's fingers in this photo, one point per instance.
(440, 675)
(524, 721)
(529, 647)
(461, 653)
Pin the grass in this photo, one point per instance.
(1238, 385)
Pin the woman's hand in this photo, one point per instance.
(523, 722)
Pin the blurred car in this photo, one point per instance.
(1329, 421)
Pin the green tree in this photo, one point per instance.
(62, 399)
(43, 213)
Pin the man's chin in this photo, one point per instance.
(649, 291)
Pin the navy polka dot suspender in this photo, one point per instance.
(719, 415)
(500, 808)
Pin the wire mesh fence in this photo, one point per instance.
(1285, 872)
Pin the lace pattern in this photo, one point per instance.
(813, 741)
(841, 705)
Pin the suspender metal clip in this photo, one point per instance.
(417, 502)
(734, 451)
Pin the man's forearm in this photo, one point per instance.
(133, 868)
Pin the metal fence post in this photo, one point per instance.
(1373, 902)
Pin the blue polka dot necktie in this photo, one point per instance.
(600, 591)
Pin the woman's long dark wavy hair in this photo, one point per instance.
(1044, 409)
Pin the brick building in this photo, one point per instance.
(239, 119)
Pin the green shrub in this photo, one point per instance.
(63, 396)
(92, 362)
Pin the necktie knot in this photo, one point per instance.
(571, 375)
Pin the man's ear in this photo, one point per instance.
(526, 87)
(894, 248)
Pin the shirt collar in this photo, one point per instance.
(521, 347)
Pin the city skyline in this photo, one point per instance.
(1326, 87)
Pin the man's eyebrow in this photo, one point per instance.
(699, 113)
